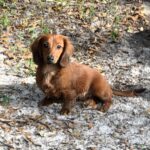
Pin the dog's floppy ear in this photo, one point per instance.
(67, 52)
(35, 49)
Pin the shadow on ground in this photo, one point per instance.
(20, 93)
(30, 93)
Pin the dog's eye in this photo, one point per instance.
(46, 45)
(58, 46)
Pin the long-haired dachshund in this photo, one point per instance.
(66, 82)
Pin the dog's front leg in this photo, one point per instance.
(46, 101)
(68, 103)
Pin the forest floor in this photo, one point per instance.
(109, 35)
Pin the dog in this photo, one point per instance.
(66, 82)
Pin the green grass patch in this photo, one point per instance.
(31, 67)
(115, 28)
(45, 30)
(4, 100)
(114, 34)
(4, 21)
(44, 27)
(86, 12)
(2, 2)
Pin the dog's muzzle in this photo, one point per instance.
(50, 59)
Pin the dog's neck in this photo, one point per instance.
(50, 69)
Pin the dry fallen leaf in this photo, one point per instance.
(27, 55)
(9, 54)
(90, 125)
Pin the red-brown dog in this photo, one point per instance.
(66, 82)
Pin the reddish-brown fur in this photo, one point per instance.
(66, 82)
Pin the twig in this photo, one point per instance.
(7, 145)
(6, 122)
(37, 121)
(30, 140)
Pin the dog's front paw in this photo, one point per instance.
(41, 103)
(105, 106)
(103, 109)
(64, 111)
(46, 101)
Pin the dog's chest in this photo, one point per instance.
(48, 77)
(45, 78)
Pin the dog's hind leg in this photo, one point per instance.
(102, 94)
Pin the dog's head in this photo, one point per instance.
(52, 49)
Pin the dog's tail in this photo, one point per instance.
(128, 93)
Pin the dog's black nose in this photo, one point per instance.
(50, 58)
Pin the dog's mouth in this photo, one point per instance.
(50, 60)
